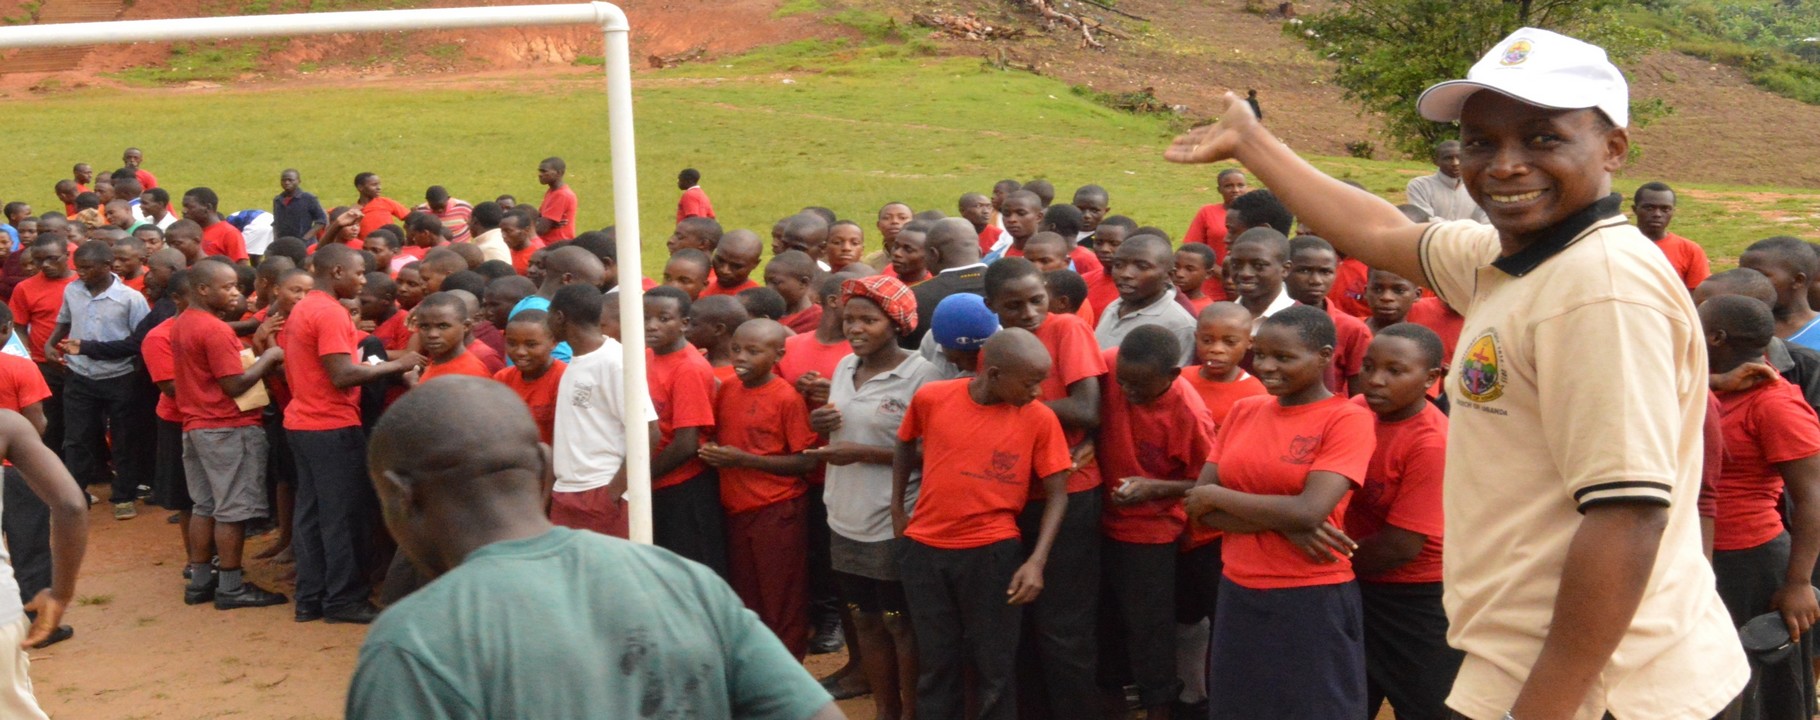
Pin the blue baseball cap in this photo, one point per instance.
(963, 322)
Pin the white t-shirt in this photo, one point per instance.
(590, 437)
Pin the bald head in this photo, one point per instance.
(166, 258)
(1015, 349)
(1225, 310)
(444, 261)
(952, 243)
(740, 242)
(762, 331)
(1147, 247)
(1740, 281)
(807, 232)
(570, 265)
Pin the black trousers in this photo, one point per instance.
(333, 521)
(1781, 685)
(53, 408)
(962, 623)
(26, 520)
(1407, 659)
(170, 484)
(1058, 654)
(1197, 583)
(686, 519)
(824, 593)
(94, 413)
(1137, 620)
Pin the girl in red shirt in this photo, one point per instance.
(1287, 641)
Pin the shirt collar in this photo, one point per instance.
(1163, 302)
(1447, 181)
(961, 268)
(1555, 239)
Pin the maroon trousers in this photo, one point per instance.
(767, 551)
(595, 510)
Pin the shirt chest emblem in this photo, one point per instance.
(1482, 374)
(1301, 449)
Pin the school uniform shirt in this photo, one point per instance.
(1350, 282)
(394, 332)
(715, 288)
(805, 353)
(489, 358)
(1102, 292)
(1597, 312)
(766, 420)
(590, 419)
(1687, 258)
(1444, 198)
(805, 322)
(454, 216)
(464, 364)
(1282, 301)
(107, 316)
(35, 304)
(21, 385)
(206, 350)
(1209, 228)
(1219, 398)
(380, 212)
(694, 203)
(222, 238)
(1763, 426)
(161, 365)
(1434, 314)
(1403, 488)
(521, 258)
(858, 496)
(1267, 449)
(1352, 337)
(539, 395)
(1167, 439)
(559, 206)
(1163, 312)
(979, 462)
(318, 327)
(682, 389)
(1075, 356)
(492, 244)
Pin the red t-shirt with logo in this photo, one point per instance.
(1763, 426)
(766, 420)
(1350, 281)
(318, 327)
(539, 395)
(35, 303)
(979, 462)
(222, 238)
(206, 350)
(682, 389)
(1403, 488)
(161, 364)
(1267, 449)
(1167, 439)
(1074, 356)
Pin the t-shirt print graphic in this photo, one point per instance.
(1002, 470)
(584, 395)
(1301, 449)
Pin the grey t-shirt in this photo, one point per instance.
(859, 495)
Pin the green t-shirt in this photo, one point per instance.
(577, 625)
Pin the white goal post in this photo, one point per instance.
(612, 23)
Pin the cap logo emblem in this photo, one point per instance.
(1515, 53)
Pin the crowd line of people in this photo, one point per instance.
(1033, 459)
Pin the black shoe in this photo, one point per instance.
(198, 596)
(827, 638)
(174, 519)
(308, 614)
(362, 614)
(62, 633)
(249, 596)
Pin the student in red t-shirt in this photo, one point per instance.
(1395, 520)
(1155, 433)
(442, 331)
(169, 487)
(1312, 267)
(224, 447)
(687, 270)
(1194, 267)
(1062, 622)
(219, 237)
(556, 215)
(380, 315)
(685, 493)
(1350, 279)
(1390, 296)
(533, 375)
(35, 303)
(846, 247)
(984, 443)
(129, 262)
(734, 259)
(1209, 224)
(712, 321)
(1287, 639)
(763, 431)
(792, 274)
(411, 287)
(376, 210)
(810, 357)
(694, 201)
(292, 286)
(1772, 446)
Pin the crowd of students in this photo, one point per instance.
(1034, 459)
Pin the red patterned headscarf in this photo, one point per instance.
(891, 295)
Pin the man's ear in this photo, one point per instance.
(1617, 148)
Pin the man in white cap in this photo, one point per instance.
(1572, 558)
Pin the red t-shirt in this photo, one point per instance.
(1712, 457)
(466, 363)
(146, 179)
(726, 374)
(161, 364)
(804, 354)
(136, 283)
(394, 332)
(805, 321)
(380, 212)
(1168, 439)
(222, 238)
(1352, 337)
(1218, 397)
(1209, 228)
(1763, 426)
(1075, 355)
(694, 203)
(1688, 259)
(1267, 449)
(1431, 313)
(682, 388)
(36, 301)
(715, 288)
(521, 258)
(979, 462)
(989, 237)
(318, 327)
(21, 384)
(206, 350)
(559, 207)
(539, 395)
(1403, 488)
(489, 358)
(1350, 282)
(767, 420)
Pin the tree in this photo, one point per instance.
(1389, 51)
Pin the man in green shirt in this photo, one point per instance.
(529, 620)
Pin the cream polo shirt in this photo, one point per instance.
(1580, 379)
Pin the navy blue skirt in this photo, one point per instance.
(1290, 654)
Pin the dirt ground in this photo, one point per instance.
(140, 654)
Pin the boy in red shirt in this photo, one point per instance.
(533, 375)
(1390, 296)
(35, 304)
(1312, 267)
(984, 442)
(763, 431)
(712, 320)
(1772, 450)
(224, 447)
(219, 237)
(1062, 622)
(442, 331)
(687, 270)
(685, 493)
(1395, 520)
(1155, 433)
(376, 210)
(129, 262)
(169, 487)
(1287, 638)
(734, 259)
(1194, 267)
(379, 309)
(792, 274)
(556, 216)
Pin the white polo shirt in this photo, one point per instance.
(1580, 378)
(589, 443)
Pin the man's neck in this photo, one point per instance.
(720, 354)
(1259, 303)
(757, 381)
(97, 289)
(1230, 374)
(1794, 320)
(582, 342)
(451, 355)
(801, 305)
(672, 347)
(1127, 308)
(829, 331)
(1656, 237)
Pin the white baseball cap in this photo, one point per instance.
(1540, 68)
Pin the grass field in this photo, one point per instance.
(772, 132)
